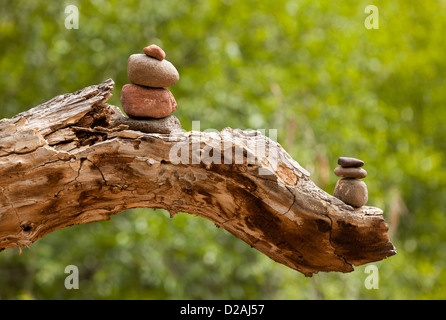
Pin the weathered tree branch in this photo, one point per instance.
(63, 163)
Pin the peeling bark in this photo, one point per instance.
(63, 163)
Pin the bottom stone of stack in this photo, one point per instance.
(351, 191)
(165, 125)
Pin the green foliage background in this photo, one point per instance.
(308, 68)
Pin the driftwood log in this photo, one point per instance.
(63, 163)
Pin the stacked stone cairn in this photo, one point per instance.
(146, 100)
(350, 189)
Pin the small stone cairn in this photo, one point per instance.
(349, 189)
(147, 101)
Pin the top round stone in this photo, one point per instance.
(146, 71)
(155, 52)
(347, 162)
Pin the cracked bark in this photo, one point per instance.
(63, 163)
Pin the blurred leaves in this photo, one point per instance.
(308, 68)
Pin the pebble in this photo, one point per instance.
(350, 172)
(165, 125)
(146, 71)
(351, 191)
(138, 101)
(347, 162)
(155, 52)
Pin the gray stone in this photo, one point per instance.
(347, 162)
(351, 172)
(149, 125)
(351, 191)
(150, 72)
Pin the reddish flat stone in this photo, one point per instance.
(138, 101)
(351, 172)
